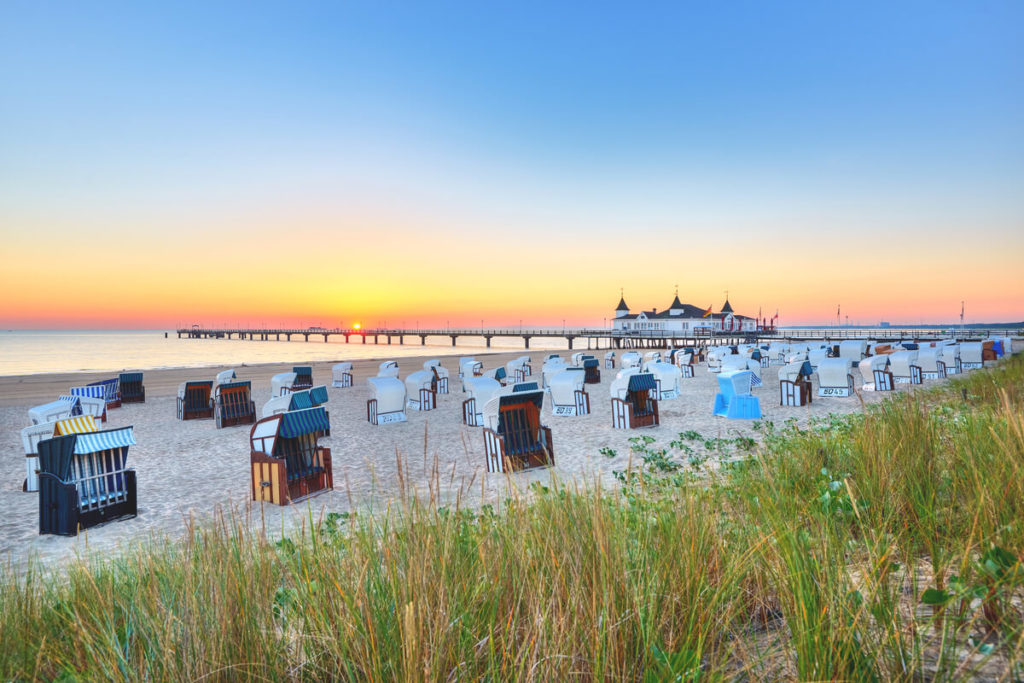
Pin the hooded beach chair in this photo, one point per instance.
(194, 400)
(30, 438)
(737, 363)
(479, 390)
(111, 392)
(971, 357)
(630, 359)
(419, 386)
(734, 399)
(854, 349)
(387, 401)
(517, 369)
(591, 370)
(440, 375)
(341, 375)
(388, 368)
(84, 481)
(667, 379)
(132, 390)
(286, 462)
(469, 369)
(53, 411)
(514, 438)
(282, 383)
(835, 377)
(715, 357)
(874, 370)
(551, 367)
(233, 404)
(303, 377)
(634, 399)
(931, 363)
(951, 358)
(815, 356)
(569, 397)
(498, 374)
(609, 360)
(904, 367)
(683, 360)
(795, 384)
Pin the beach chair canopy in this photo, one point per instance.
(868, 366)
(195, 386)
(280, 382)
(970, 352)
(318, 395)
(667, 374)
(620, 385)
(496, 373)
(522, 386)
(950, 352)
(609, 356)
(854, 349)
(683, 357)
(344, 366)
(564, 385)
(93, 390)
(816, 356)
(32, 435)
(900, 362)
(630, 359)
(482, 389)
(591, 363)
(50, 412)
(130, 377)
(791, 372)
(299, 400)
(928, 359)
(270, 436)
(515, 364)
(224, 376)
(388, 369)
(389, 393)
(652, 355)
(110, 387)
(421, 379)
(82, 424)
(734, 383)
(834, 372)
(303, 374)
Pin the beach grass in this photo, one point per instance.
(885, 545)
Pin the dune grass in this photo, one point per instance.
(876, 546)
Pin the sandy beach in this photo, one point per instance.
(189, 470)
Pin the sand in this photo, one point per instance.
(189, 470)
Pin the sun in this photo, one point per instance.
(356, 326)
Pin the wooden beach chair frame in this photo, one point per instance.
(519, 441)
(638, 408)
(132, 389)
(296, 467)
(233, 405)
(196, 404)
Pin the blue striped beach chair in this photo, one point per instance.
(286, 463)
(233, 404)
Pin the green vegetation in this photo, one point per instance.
(882, 546)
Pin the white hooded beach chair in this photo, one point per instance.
(715, 357)
(930, 361)
(777, 352)
(795, 384)
(479, 390)
(609, 360)
(815, 356)
(576, 359)
(684, 361)
(419, 386)
(388, 368)
(951, 358)
(467, 365)
(971, 356)
(281, 383)
(904, 367)
(517, 369)
(440, 375)
(874, 370)
(630, 359)
(30, 438)
(667, 379)
(277, 405)
(569, 397)
(341, 375)
(551, 367)
(498, 374)
(652, 356)
(835, 377)
(854, 349)
(51, 412)
(736, 363)
(633, 399)
(387, 400)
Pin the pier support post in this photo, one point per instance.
(325, 339)
(526, 342)
(389, 340)
(346, 338)
(364, 338)
(487, 338)
(453, 339)
(570, 341)
(306, 337)
(288, 336)
(423, 340)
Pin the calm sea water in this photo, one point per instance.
(26, 352)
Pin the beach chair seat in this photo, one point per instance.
(479, 390)
(904, 367)
(591, 370)
(111, 392)
(387, 401)
(286, 462)
(194, 400)
(795, 384)
(835, 377)
(514, 438)
(341, 375)
(634, 400)
(440, 375)
(609, 360)
(233, 405)
(569, 397)
(132, 390)
(84, 481)
(419, 387)
(734, 400)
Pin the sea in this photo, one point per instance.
(31, 352)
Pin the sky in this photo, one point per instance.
(163, 164)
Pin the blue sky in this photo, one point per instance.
(585, 120)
